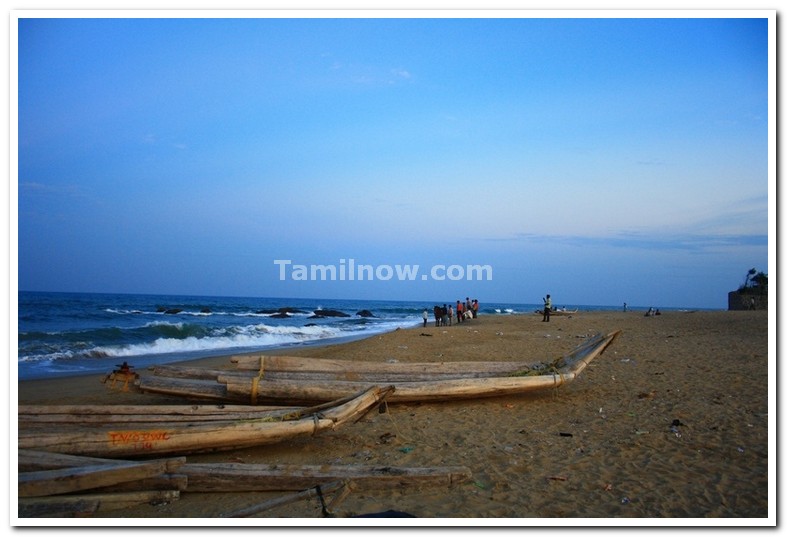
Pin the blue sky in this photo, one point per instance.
(598, 160)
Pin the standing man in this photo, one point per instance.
(547, 308)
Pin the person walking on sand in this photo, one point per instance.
(425, 316)
(437, 316)
(460, 314)
(547, 308)
(450, 315)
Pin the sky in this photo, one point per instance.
(601, 160)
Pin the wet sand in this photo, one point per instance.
(603, 446)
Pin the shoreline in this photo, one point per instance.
(607, 435)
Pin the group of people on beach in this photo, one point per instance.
(444, 315)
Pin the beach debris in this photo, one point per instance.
(427, 335)
(740, 449)
(607, 487)
(674, 427)
(565, 434)
(557, 478)
(390, 513)
(406, 449)
(124, 374)
(508, 405)
(317, 491)
(625, 499)
(387, 438)
(646, 395)
(479, 485)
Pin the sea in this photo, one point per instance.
(66, 334)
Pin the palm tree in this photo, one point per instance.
(761, 281)
(751, 273)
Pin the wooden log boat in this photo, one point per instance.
(56, 484)
(295, 380)
(150, 430)
(557, 313)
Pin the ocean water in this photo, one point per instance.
(62, 334)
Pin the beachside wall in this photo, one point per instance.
(741, 301)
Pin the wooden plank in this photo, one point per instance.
(67, 480)
(184, 388)
(160, 482)
(301, 392)
(60, 507)
(84, 504)
(144, 413)
(266, 364)
(181, 371)
(30, 460)
(238, 477)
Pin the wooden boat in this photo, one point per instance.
(54, 484)
(558, 313)
(259, 379)
(114, 431)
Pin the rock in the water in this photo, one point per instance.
(329, 313)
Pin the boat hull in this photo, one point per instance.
(153, 438)
(303, 381)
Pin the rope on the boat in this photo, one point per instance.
(255, 381)
(558, 385)
(255, 386)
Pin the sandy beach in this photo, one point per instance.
(603, 446)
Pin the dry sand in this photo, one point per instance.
(623, 458)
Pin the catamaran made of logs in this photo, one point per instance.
(296, 380)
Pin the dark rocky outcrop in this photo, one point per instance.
(737, 300)
(318, 314)
(279, 311)
(365, 313)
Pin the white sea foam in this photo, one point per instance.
(255, 336)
